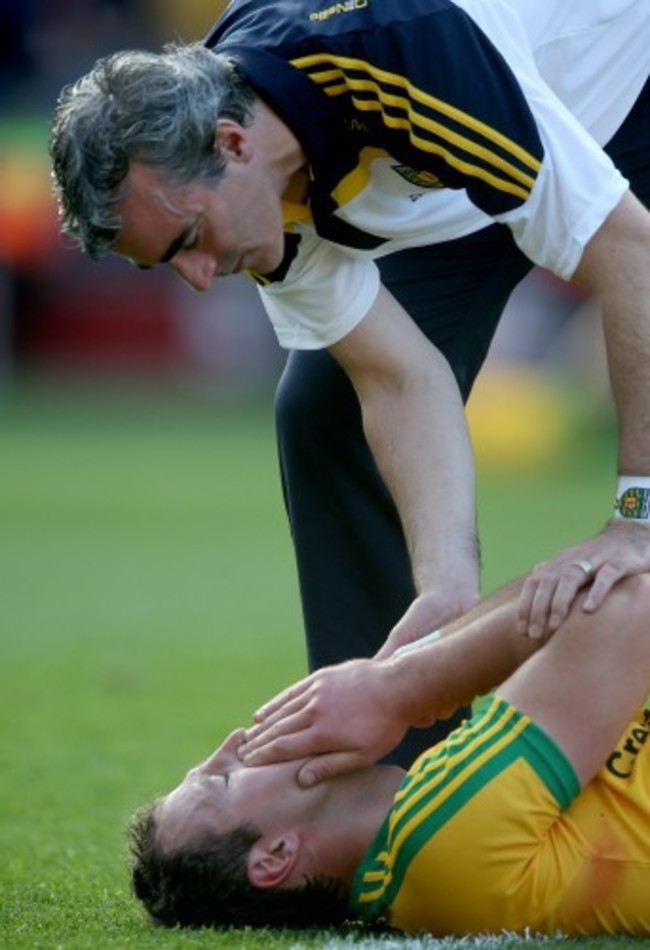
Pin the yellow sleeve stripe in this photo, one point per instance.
(467, 168)
(485, 745)
(454, 138)
(497, 737)
(406, 97)
(414, 93)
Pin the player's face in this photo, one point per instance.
(222, 793)
(204, 230)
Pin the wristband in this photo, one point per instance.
(633, 499)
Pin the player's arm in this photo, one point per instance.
(616, 266)
(350, 715)
(415, 425)
(581, 686)
(585, 685)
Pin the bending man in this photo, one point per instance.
(303, 143)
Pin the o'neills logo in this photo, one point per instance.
(621, 762)
(419, 179)
(334, 9)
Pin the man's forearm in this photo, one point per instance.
(420, 441)
(415, 425)
(616, 266)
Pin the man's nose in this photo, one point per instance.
(226, 754)
(195, 269)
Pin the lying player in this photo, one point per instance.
(534, 814)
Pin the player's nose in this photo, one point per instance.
(197, 270)
(226, 754)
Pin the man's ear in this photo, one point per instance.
(232, 141)
(271, 860)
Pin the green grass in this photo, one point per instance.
(148, 604)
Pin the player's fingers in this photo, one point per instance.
(327, 766)
(281, 715)
(284, 740)
(276, 704)
(283, 749)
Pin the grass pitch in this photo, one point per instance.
(148, 605)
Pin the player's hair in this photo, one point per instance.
(207, 885)
(160, 109)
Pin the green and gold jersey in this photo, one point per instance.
(489, 831)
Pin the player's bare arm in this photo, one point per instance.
(598, 664)
(616, 266)
(415, 425)
(350, 715)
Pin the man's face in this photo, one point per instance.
(202, 230)
(222, 793)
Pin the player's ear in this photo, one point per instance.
(271, 860)
(232, 141)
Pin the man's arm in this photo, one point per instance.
(616, 266)
(415, 425)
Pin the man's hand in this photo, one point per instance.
(345, 717)
(428, 612)
(621, 550)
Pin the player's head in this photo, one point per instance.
(160, 109)
(233, 845)
(207, 885)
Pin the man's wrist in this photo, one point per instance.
(412, 683)
(632, 501)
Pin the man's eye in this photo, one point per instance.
(191, 242)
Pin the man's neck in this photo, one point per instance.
(351, 818)
(284, 154)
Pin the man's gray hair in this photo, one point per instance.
(160, 109)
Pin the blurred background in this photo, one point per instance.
(62, 316)
(66, 319)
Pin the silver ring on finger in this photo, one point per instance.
(586, 568)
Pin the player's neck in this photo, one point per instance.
(352, 817)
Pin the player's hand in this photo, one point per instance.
(428, 612)
(622, 549)
(343, 717)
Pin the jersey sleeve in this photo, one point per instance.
(323, 296)
(577, 184)
(453, 89)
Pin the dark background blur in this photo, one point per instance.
(63, 316)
